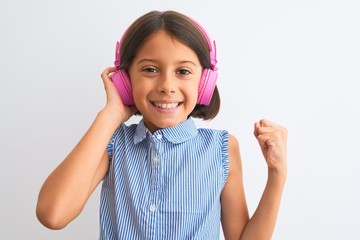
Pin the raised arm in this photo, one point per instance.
(67, 189)
(273, 140)
(234, 211)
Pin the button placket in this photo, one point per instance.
(154, 180)
(153, 202)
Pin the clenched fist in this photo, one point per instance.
(272, 139)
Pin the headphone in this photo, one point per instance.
(207, 83)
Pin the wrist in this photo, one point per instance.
(112, 117)
(277, 175)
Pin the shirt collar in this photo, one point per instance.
(177, 134)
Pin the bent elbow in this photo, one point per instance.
(50, 219)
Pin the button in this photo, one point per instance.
(159, 136)
(156, 159)
(152, 208)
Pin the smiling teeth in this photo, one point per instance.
(166, 105)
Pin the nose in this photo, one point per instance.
(166, 83)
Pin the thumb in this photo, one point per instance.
(256, 129)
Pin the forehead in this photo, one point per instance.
(162, 45)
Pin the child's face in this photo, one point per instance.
(165, 76)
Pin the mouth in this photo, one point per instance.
(166, 106)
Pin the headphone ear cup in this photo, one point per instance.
(206, 86)
(122, 84)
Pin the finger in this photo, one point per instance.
(267, 130)
(259, 128)
(274, 133)
(106, 76)
(266, 140)
(267, 123)
(108, 72)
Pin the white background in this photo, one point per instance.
(294, 62)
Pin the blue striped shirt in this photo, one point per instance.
(165, 185)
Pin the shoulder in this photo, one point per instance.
(123, 133)
(229, 146)
(233, 144)
(212, 132)
(124, 129)
(234, 155)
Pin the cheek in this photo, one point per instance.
(192, 93)
(139, 87)
(139, 93)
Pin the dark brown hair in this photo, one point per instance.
(183, 29)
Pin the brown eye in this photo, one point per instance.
(150, 70)
(184, 72)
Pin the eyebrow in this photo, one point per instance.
(155, 61)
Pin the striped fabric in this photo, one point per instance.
(165, 185)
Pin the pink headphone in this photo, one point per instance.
(207, 83)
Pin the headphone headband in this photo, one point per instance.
(211, 45)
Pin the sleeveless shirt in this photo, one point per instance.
(165, 185)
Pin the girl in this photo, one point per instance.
(163, 178)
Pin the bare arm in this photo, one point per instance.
(234, 212)
(272, 139)
(67, 189)
(262, 223)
